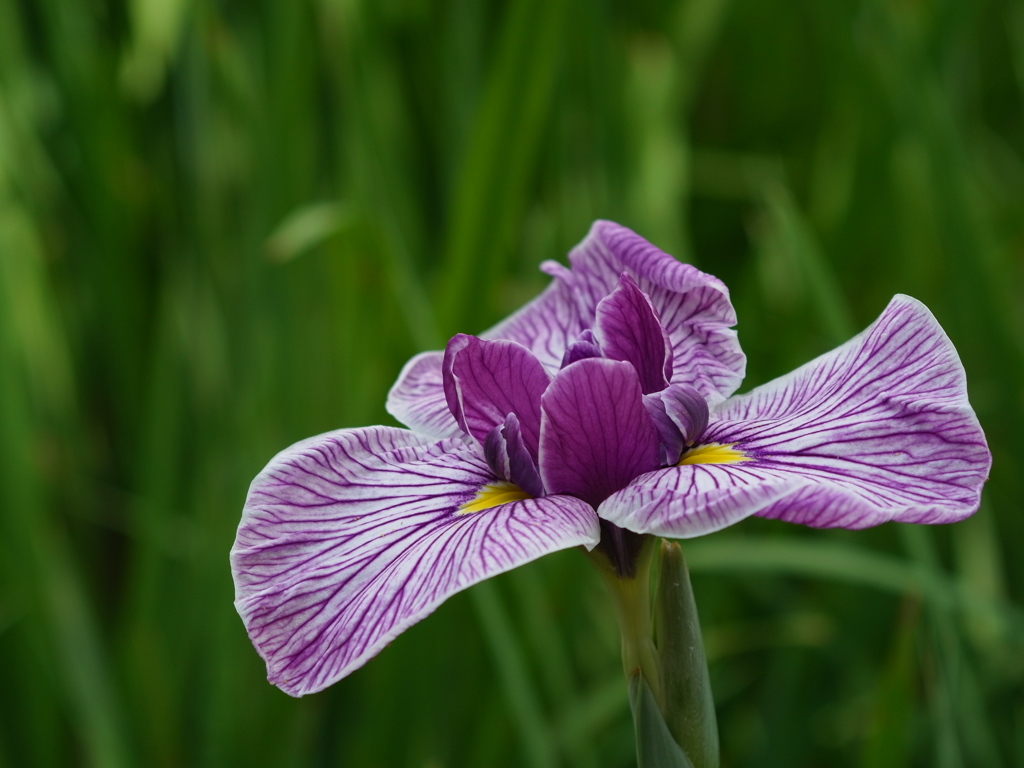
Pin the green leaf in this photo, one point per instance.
(689, 704)
(655, 747)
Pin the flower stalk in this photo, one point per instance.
(631, 598)
(669, 685)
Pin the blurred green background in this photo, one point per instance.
(225, 225)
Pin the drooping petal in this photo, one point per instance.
(417, 397)
(694, 307)
(596, 434)
(484, 381)
(509, 458)
(349, 538)
(628, 329)
(684, 502)
(879, 429)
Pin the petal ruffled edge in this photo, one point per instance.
(693, 306)
(878, 429)
(349, 538)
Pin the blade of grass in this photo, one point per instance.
(490, 192)
(48, 564)
(848, 563)
(535, 735)
(546, 638)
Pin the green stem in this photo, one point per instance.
(632, 600)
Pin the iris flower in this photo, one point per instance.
(599, 413)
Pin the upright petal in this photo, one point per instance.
(417, 397)
(509, 458)
(879, 429)
(694, 307)
(680, 414)
(484, 381)
(349, 538)
(584, 346)
(687, 409)
(628, 329)
(596, 434)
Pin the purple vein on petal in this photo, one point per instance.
(878, 429)
(351, 537)
(485, 380)
(628, 329)
(694, 307)
(417, 398)
(596, 434)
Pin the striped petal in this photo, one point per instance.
(628, 329)
(486, 380)
(349, 538)
(879, 429)
(693, 307)
(688, 501)
(596, 434)
(417, 398)
(548, 324)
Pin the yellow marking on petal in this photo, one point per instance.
(713, 453)
(493, 495)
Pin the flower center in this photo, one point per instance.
(493, 495)
(713, 453)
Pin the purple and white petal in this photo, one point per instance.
(596, 434)
(417, 397)
(548, 324)
(694, 500)
(628, 329)
(349, 538)
(693, 306)
(485, 380)
(879, 429)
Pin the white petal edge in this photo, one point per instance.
(349, 538)
(417, 397)
(694, 307)
(689, 501)
(878, 429)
